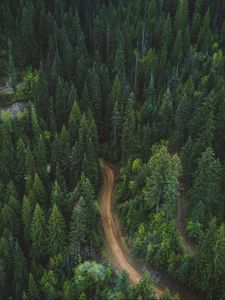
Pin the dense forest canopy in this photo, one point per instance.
(139, 83)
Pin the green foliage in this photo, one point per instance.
(110, 78)
(38, 233)
(56, 234)
(162, 186)
(207, 183)
(30, 84)
(11, 67)
(129, 144)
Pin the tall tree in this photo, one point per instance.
(207, 183)
(11, 67)
(56, 239)
(129, 143)
(162, 185)
(38, 234)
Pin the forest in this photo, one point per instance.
(139, 84)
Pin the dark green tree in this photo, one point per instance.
(129, 131)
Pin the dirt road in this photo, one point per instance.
(117, 249)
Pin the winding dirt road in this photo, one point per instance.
(117, 249)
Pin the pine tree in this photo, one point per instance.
(74, 123)
(207, 182)
(7, 217)
(181, 17)
(26, 218)
(39, 193)
(167, 35)
(57, 196)
(113, 108)
(11, 67)
(166, 114)
(42, 99)
(119, 62)
(144, 289)
(209, 261)
(90, 166)
(38, 234)
(48, 284)
(41, 158)
(78, 228)
(28, 44)
(129, 131)
(177, 53)
(94, 92)
(14, 204)
(85, 190)
(56, 240)
(20, 271)
(20, 168)
(7, 150)
(116, 124)
(35, 123)
(51, 114)
(33, 290)
(162, 185)
(68, 58)
(204, 37)
(60, 103)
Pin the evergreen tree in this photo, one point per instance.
(35, 123)
(38, 234)
(41, 158)
(74, 122)
(56, 240)
(20, 170)
(33, 290)
(78, 228)
(26, 218)
(207, 183)
(42, 99)
(39, 193)
(113, 109)
(11, 67)
(129, 131)
(162, 185)
(116, 124)
(20, 272)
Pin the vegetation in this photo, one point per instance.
(139, 82)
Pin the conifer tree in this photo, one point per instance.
(78, 228)
(20, 271)
(56, 239)
(33, 290)
(38, 234)
(42, 99)
(207, 182)
(11, 67)
(162, 185)
(20, 170)
(74, 122)
(35, 123)
(129, 131)
(39, 193)
(113, 108)
(26, 218)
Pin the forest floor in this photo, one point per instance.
(118, 250)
